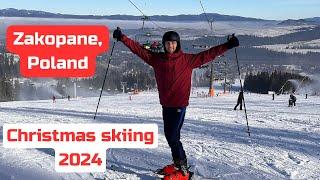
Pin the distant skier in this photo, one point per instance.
(69, 97)
(273, 96)
(292, 100)
(53, 99)
(306, 96)
(173, 70)
(239, 102)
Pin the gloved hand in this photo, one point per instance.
(117, 34)
(232, 42)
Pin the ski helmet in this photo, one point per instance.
(171, 36)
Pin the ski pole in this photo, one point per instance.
(244, 104)
(104, 80)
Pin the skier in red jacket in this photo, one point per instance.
(173, 70)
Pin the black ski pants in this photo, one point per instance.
(173, 119)
(238, 103)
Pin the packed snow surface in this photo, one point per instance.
(284, 141)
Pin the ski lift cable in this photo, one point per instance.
(137, 8)
(210, 26)
(236, 56)
(208, 20)
(143, 14)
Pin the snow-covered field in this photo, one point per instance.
(284, 142)
(302, 47)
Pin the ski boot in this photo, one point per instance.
(179, 175)
(168, 169)
(182, 165)
(179, 170)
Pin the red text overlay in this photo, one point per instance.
(56, 50)
(80, 147)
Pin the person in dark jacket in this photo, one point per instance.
(173, 71)
(239, 102)
(292, 100)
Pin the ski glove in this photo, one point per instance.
(232, 42)
(117, 34)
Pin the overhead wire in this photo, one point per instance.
(145, 15)
(236, 56)
(208, 20)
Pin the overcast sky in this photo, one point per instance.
(265, 9)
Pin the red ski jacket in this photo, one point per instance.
(173, 71)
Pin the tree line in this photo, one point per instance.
(276, 81)
(125, 69)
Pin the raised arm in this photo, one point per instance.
(206, 56)
(134, 46)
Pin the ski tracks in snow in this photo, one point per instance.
(284, 142)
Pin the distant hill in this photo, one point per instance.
(11, 12)
(299, 22)
(314, 19)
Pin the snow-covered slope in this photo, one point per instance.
(284, 142)
(302, 47)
